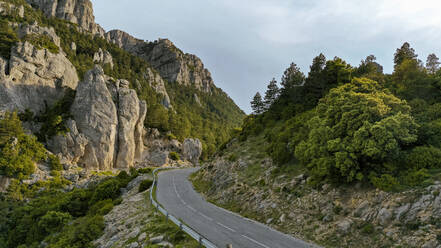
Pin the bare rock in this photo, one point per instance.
(70, 146)
(34, 78)
(128, 116)
(103, 57)
(96, 117)
(76, 11)
(4, 183)
(157, 239)
(344, 226)
(192, 150)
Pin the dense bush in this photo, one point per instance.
(42, 41)
(19, 151)
(8, 38)
(358, 128)
(174, 156)
(146, 184)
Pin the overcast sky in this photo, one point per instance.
(245, 43)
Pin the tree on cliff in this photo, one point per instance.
(271, 93)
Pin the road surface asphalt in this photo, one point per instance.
(176, 194)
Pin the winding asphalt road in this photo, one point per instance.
(176, 194)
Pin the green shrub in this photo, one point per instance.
(8, 38)
(171, 136)
(385, 182)
(42, 41)
(146, 184)
(54, 221)
(109, 189)
(19, 151)
(174, 156)
(101, 208)
(424, 157)
(415, 177)
(145, 170)
(55, 163)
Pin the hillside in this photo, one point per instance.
(345, 156)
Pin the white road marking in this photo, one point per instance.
(190, 207)
(224, 226)
(255, 241)
(176, 191)
(206, 217)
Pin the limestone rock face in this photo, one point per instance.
(111, 118)
(192, 150)
(172, 64)
(76, 11)
(96, 117)
(158, 84)
(34, 78)
(139, 131)
(71, 146)
(103, 57)
(28, 29)
(128, 117)
(6, 9)
(175, 66)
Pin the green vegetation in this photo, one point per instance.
(145, 185)
(46, 215)
(8, 38)
(42, 41)
(345, 124)
(174, 156)
(18, 151)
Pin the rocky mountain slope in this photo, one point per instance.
(245, 180)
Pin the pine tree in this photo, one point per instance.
(271, 93)
(292, 77)
(318, 64)
(404, 53)
(432, 63)
(257, 104)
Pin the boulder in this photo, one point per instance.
(158, 158)
(96, 117)
(192, 150)
(344, 226)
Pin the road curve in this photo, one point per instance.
(176, 194)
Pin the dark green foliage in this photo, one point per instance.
(18, 151)
(174, 156)
(8, 38)
(54, 117)
(54, 221)
(47, 214)
(145, 185)
(271, 93)
(109, 189)
(257, 105)
(55, 163)
(358, 127)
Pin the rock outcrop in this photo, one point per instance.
(76, 11)
(103, 57)
(69, 147)
(172, 64)
(192, 150)
(7, 9)
(109, 115)
(34, 78)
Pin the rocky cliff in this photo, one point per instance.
(172, 64)
(34, 78)
(76, 11)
